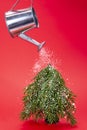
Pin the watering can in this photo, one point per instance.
(20, 21)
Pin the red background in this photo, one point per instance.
(63, 25)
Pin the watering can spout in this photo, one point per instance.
(29, 39)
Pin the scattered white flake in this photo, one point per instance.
(45, 57)
(67, 79)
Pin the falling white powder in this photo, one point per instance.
(45, 57)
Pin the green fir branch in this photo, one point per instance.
(48, 98)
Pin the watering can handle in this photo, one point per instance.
(29, 39)
(17, 1)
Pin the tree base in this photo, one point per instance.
(53, 121)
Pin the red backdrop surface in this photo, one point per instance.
(63, 25)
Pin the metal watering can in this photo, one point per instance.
(20, 21)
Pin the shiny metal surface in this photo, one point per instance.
(27, 38)
(21, 20)
(18, 22)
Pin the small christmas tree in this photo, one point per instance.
(48, 98)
